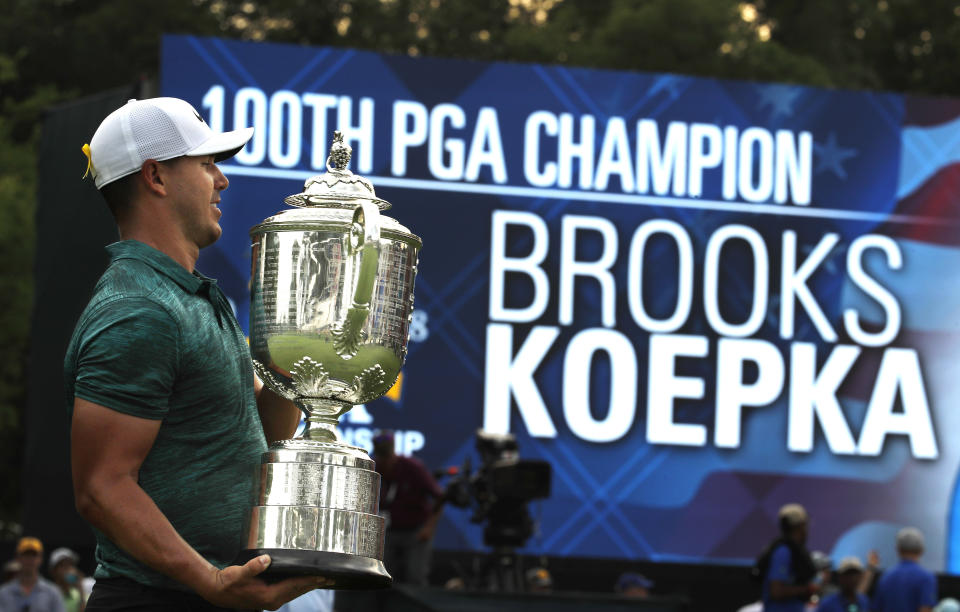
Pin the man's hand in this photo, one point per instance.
(426, 532)
(238, 586)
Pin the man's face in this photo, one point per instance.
(62, 569)
(383, 450)
(849, 581)
(799, 533)
(195, 186)
(636, 591)
(29, 561)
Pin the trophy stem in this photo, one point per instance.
(322, 418)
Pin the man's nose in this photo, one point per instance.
(221, 182)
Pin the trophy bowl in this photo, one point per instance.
(331, 302)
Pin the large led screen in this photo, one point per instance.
(696, 299)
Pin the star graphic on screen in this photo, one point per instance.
(780, 98)
(668, 83)
(832, 156)
(830, 261)
(773, 312)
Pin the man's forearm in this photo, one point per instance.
(278, 415)
(130, 519)
(783, 590)
(435, 516)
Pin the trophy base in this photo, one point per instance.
(346, 571)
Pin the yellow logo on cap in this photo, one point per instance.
(86, 151)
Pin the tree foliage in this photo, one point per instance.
(57, 50)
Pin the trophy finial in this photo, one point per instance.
(340, 153)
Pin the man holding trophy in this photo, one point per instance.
(170, 425)
(168, 420)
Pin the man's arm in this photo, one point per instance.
(928, 594)
(429, 527)
(430, 485)
(107, 450)
(870, 573)
(781, 578)
(783, 590)
(278, 415)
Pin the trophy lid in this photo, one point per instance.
(338, 187)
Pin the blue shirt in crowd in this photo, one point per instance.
(44, 597)
(905, 588)
(838, 603)
(781, 570)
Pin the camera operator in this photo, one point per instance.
(411, 501)
(499, 493)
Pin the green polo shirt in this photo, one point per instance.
(158, 342)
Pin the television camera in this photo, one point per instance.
(500, 490)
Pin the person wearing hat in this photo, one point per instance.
(538, 580)
(29, 591)
(786, 568)
(906, 587)
(632, 584)
(947, 605)
(11, 569)
(168, 420)
(412, 502)
(849, 598)
(63, 570)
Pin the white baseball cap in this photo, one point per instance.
(160, 129)
(849, 564)
(61, 554)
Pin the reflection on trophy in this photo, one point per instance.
(331, 299)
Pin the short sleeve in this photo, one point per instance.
(928, 591)
(831, 604)
(128, 357)
(781, 568)
(879, 599)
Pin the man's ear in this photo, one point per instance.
(152, 175)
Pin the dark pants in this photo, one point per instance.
(125, 595)
(406, 557)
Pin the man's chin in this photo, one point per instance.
(212, 237)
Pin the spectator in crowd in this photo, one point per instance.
(455, 584)
(411, 501)
(824, 577)
(849, 598)
(320, 600)
(29, 591)
(634, 585)
(871, 572)
(785, 568)
(10, 570)
(906, 587)
(539, 580)
(754, 606)
(63, 570)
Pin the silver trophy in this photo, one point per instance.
(331, 301)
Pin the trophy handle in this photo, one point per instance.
(365, 236)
